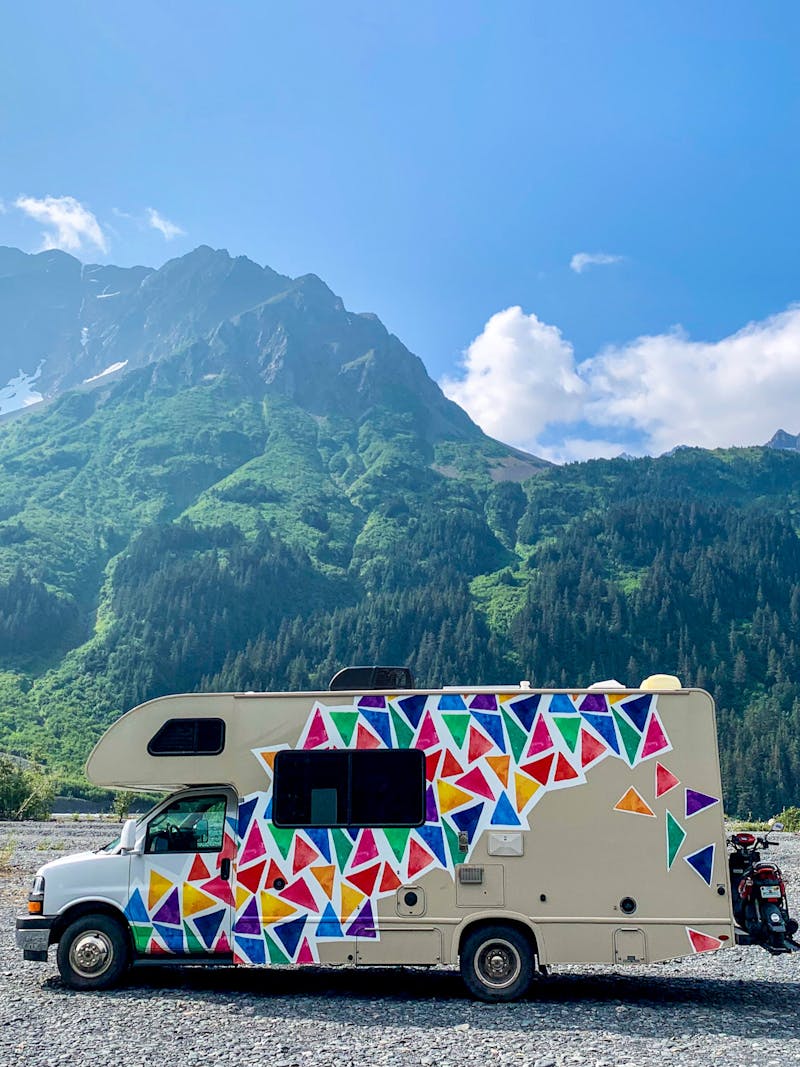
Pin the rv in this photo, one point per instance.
(503, 829)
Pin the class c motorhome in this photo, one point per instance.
(505, 829)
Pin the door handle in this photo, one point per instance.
(225, 869)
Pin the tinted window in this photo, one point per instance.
(350, 788)
(189, 737)
(191, 824)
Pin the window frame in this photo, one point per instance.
(196, 720)
(351, 753)
(212, 795)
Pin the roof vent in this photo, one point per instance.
(364, 679)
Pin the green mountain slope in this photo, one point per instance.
(268, 493)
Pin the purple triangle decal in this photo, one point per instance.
(698, 802)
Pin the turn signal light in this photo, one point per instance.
(35, 907)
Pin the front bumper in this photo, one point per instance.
(33, 936)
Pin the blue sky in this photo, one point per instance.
(441, 164)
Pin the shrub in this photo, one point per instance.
(24, 794)
(790, 817)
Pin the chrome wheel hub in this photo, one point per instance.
(498, 964)
(91, 953)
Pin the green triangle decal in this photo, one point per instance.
(569, 727)
(283, 838)
(456, 855)
(630, 738)
(457, 725)
(343, 844)
(345, 723)
(141, 937)
(676, 835)
(276, 954)
(516, 736)
(193, 942)
(397, 841)
(403, 733)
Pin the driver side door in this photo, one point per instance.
(180, 900)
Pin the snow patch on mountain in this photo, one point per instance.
(108, 370)
(19, 392)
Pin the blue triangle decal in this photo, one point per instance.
(246, 809)
(493, 726)
(525, 710)
(637, 710)
(603, 725)
(467, 820)
(452, 702)
(329, 925)
(432, 836)
(321, 841)
(412, 708)
(702, 862)
(268, 810)
(504, 814)
(560, 704)
(172, 936)
(208, 926)
(379, 721)
(253, 948)
(290, 934)
(135, 909)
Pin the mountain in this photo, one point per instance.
(268, 487)
(784, 440)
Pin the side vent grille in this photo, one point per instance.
(470, 875)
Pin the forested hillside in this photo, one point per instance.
(271, 496)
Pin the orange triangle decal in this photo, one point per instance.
(325, 876)
(634, 803)
(499, 765)
(199, 870)
(389, 880)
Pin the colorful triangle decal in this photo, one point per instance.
(634, 803)
(676, 835)
(665, 780)
(702, 862)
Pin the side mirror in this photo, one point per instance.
(127, 839)
(777, 826)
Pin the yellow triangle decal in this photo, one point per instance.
(242, 896)
(325, 876)
(272, 908)
(499, 765)
(450, 796)
(614, 698)
(351, 898)
(633, 802)
(157, 889)
(524, 788)
(196, 900)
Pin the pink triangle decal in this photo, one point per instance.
(317, 734)
(427, 735)
(254, 847)
(299, 893)
(476, 783)
(304, 955)
(655, 739)
(665, 780)
(367, 849)
(541, 739)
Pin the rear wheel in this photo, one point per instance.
(93, 953)
(497, 963)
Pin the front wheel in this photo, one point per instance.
(93, 953)
(497, 963)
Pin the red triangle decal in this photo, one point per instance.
(564, 770)
(303, 854)
(218, 888)
(432, 764)
(365, 880)
(364, 739)
(451, 766)
(389, 880)
(539, 769)
(299, 893)
(703, 942)
(199, 870)
(665, 780)
(250, 877)
(273, 873)
(478, 745)
(418, 859)
(591, 748)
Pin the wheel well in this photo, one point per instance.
(89, 907)
(515, 924)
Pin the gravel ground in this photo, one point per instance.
(738, 1007)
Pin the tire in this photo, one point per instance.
(93, 953)
(497, 963)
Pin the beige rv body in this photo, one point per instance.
(623, 862)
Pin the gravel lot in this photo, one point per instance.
(737, 1007)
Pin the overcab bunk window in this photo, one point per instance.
(384, 787)
(189, 737)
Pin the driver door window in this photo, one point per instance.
(190, 824)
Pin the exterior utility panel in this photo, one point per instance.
(398, 828)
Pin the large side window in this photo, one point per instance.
(383, 787)
(190, 824)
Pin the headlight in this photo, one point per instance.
(36, 896)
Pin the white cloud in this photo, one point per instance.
(581, 260)
(519, 375)
(70, 225)
(164, 226)
(522, 385)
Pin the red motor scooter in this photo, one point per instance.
(758, 891)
